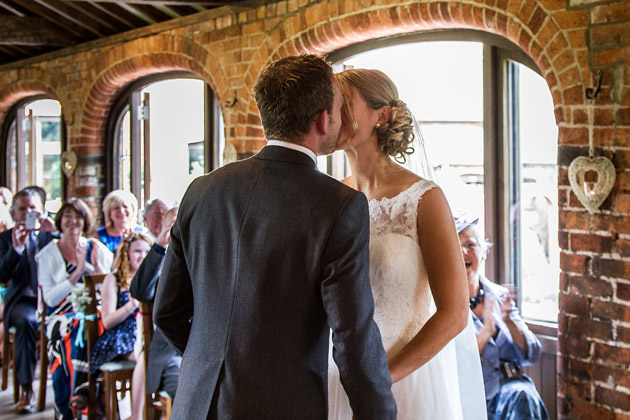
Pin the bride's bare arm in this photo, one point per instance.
(447, 278)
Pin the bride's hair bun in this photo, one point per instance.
(396, 135)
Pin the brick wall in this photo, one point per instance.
(568, 39)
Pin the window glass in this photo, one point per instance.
(177, 136)
(176, 111)
(40, 133)
(538, 204)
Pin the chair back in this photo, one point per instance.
(146, 311)
(91, 327)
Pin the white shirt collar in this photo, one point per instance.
(294, 146)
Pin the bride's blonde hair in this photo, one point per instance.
(396, 135)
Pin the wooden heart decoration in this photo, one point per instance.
(68, 163)
(591, 194)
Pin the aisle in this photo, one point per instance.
(7, 406)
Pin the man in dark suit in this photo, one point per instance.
(164, 363)
(18, 247)
(266, 256)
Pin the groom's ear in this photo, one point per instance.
(321, 122)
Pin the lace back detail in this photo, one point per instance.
(399, 214)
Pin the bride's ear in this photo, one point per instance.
(384, 115)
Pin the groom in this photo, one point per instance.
(267, 254)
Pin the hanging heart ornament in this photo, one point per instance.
(68, 163)
(591, 194)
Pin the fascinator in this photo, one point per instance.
(461, 224)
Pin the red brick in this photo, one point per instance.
(572, 19)
(576, 409)
(623, 336)
(537, 19)
(622, 246)
(593, 243)
(623, 291)
(573, 95)
(604, 116)
(589, 328)
(614, 268)
(573, 135)
(574, 304)
(575, 220)
(617, 399)
(611, 136)
(609, 56)
(610, 310)
(580, 116)
(622, 116)
(611, 34)
(612, 12)
(573, 263)
(573, 346)
(611, 353)
(574, 388)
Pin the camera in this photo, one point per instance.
(32, 220)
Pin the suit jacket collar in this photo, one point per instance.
(282, 154)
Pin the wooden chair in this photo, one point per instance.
(43, 356)
(116, 375)
(8, 356)
(156, 406)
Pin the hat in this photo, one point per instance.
(461, 224)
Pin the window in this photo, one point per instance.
(488, 123)
(33, 145)
(167, 131)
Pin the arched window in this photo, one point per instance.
(487, 119)
(32, 137)
(164, 131)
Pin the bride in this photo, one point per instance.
(417, 274)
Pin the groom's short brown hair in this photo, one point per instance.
(290, 92)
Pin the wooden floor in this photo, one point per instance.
(7, 406)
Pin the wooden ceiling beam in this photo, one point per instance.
(97, 15)
(72, 14)
(33, 31)
(165, 2)
(120, 14)
(69, 25)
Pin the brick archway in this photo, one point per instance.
(524, 22)
(20, 90)
(111, 75)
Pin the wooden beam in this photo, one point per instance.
(32, 31)
(71, 14)
(116, 13)
(166, 2)
(95, 14)
(45, 12)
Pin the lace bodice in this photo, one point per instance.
(399, 214)
(398, 277)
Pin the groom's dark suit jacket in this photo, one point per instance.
(265, 255)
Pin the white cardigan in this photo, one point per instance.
(52, 275)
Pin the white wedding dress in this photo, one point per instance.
(403, 303)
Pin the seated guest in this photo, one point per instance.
(505, 342)
(18, 247)
(61, 266)
(118, 313)
(164, 363)
(153, 215)
(120, 209)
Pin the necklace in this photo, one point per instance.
(477, 299)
